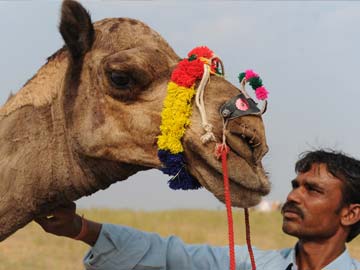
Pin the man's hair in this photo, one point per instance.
(343, 167)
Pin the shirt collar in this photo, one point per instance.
(342, 262)
(291, 259)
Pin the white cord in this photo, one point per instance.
(199, 99)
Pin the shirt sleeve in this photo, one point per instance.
(121, 247)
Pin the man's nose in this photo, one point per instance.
(294, 196)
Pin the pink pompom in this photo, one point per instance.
(250, 74)
(261, 93)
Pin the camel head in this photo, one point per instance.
(97, 105)
(117, 84)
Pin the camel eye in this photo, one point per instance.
(120, 80)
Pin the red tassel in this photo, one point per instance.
(201, 51)
(181, 78)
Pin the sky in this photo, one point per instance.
(307, 54)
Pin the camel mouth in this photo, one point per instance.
(260, 186)
(248, 180)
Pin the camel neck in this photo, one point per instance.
(34, 137)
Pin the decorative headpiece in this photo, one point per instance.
(177, 110)
(243, 104)
(201, 62)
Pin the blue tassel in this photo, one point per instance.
(174, 165)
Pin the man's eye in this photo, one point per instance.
(120, 80)
(312, 189)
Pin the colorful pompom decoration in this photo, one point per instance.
(175, 117)
(256, 83)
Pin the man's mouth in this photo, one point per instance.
(289, 210)
(290, 215)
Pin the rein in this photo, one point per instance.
(223, 150)
(177, 109)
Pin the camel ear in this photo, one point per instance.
(76, 28)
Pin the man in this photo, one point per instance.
(322, 211)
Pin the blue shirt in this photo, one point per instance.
(124, 248)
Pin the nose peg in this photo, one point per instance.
(239, 106)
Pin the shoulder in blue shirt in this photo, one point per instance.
(124, 248)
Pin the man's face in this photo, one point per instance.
(312, 207)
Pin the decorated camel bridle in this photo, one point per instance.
(177, 109)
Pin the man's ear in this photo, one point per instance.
(76, 28)
(351, 214)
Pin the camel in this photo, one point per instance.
(90, 117)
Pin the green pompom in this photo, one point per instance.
(192, 57)
(241, 76)
(255, 82)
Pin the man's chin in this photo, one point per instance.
(291, 228)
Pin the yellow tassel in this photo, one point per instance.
(175, 116)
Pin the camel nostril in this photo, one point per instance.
(250, 135)
(247, 141)
(239, 144)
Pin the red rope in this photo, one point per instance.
(224, 152)
(248, 240)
